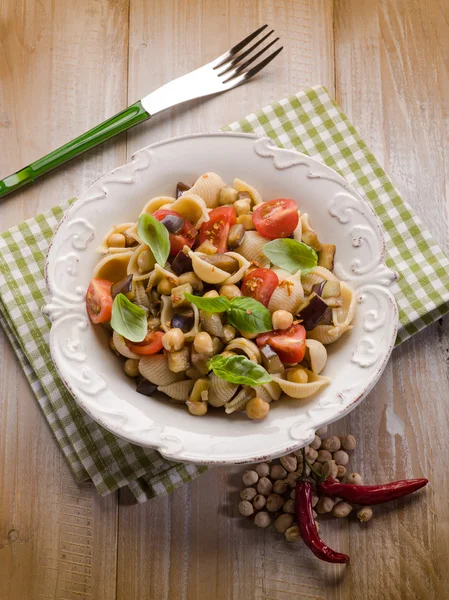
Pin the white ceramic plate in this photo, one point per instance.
(338, 214)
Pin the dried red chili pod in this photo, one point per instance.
(368, 495)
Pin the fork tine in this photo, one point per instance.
(225, 57)
(243, 66)
(230, 83)
(241, 56)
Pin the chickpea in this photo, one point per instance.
(262, 519)
(164, 287)
(330, 469)
(263, 469)
(194, 374)
(297, 375)
(242, 207)
(116, 240)
(246, 221)
(341, 510)
(317, 525)
(211, 294)
(341, 457)
(282, 319)
(292, 534)
(332, 444)
(289, 507)
(227, 195)
(291, 479)
(230, 291)
(280, 486)
(264, 486)
(145, 261)
(198, 409)
(324, 456)
(324, 505)
(248, 493)
(341, 472)
(257, 408)
(316, 444)
(289, 462)
(312, 455)
(283, 522)
(354, 479)
(248, 336)
(193, 279)
(278, 472)
(130, 241)
(250, 477)
(315, 499)
(348, 442)
(259, 502)
(364, 514)
(131, 367)
(321, 431)
(274, 502)
(293, 494)
(246, 508)
(318, 467)
(229, 333)
(173, 340)
(203, 343)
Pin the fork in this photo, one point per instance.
(222, 74)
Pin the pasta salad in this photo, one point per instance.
(217, 298)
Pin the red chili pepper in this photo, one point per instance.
(367, 495)
(307, 526)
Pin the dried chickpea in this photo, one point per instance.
(291, 479)
(315, 499)
(259, 502)
(341, 471)
(281, 319)
(262, 519)
(318, 467)
(289, 462)
(330, 469)
(341, 457)
(321, 431)
(229, 333)
(246, 221)
(131, 367)
(145, 261)
(283, 522)
(246, 508)
(264, 486)
(324, 505)
(289, 507)
(297, 375)
(116, 240)
(230, 291)
(341, 509)
(198, 409)
(312, 455)
(173, 340)
(278, 472)
(203, 343)
(292, 534)
(324, 456)
(348, 442)
(364, 514)
(354, 479)
(242, 207)
(293, 494)
(248, 493)
(250, 477)
(316, 444)
(274, 502)
(257, 408)
(211, 294)
(164, 286)
(193, 279)
(332, 443)
(263, 469)
(280, 486)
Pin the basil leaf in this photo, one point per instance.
(128, 319)
(155, 235)
(249, 315)
(239, 369)
(291, 255)
(214, 305)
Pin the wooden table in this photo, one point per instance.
(66, 65)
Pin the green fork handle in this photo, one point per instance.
(133, 115)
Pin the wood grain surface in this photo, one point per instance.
(66, 65)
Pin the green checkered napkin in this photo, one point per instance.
(310, 122)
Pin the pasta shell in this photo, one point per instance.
(132, 233)
(207, 187)
(344, 314)
(302, 390)
(327, 334)
(121, 347)
(192, 207)
(140, 295)
(241, 186)
(156, 203)
(158, 274)
(114, 266)
(316, 355)
(288, 295)
(154, 367)
(238, 275)
(220, 391)
(104, 247)
(273, 389)
(180, 390)
(297, 234)
(133, 266)
(305, 225)
(205, 271)
(261, 392)
(317, 275)
(247, 347)
(167, 314)
(252, 249)
(240, 401)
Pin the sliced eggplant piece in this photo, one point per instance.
(312, 311)
(326, 256)
(211, 322)
(207, 247)
(318, 288)
(311, 239)
(183, 319)
(334, 302)
(178, 295)
(271, 360)
(181, 188)
(179, 361)
(327, 317)
(173, 223)
(145, 387)
(327, 289)
(227, 195)
(123, 286)
(200, 362)
(223, 262)
(236, 235)
(181, 263)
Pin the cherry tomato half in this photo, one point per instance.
(289, 344)
(216, 230)
(276, 218)
(187, 235)
(260, 284)
(150, 345)
(99, 300)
